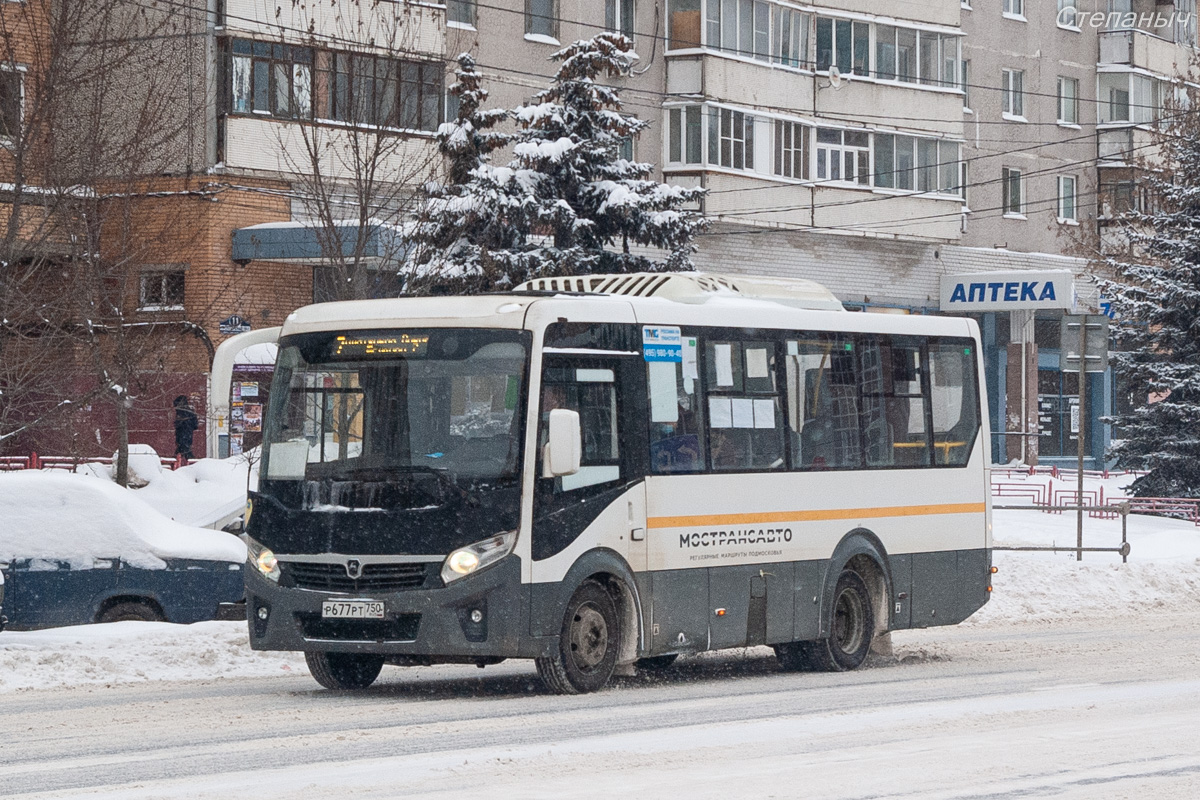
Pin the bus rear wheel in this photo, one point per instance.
(344, 670)
(851, 628)
(587, 643)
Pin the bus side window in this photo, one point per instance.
(676, 443)
(823, 403)
(745, 422)
(953, 401)
(592, 393)
(893, 403)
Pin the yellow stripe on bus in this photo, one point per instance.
(814, 515)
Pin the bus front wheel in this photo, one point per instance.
(344, 670)
(587, 644)
(851, 627)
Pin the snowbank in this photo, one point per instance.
(77, 518)
(204, 493)
(132, 652)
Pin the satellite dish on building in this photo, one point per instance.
(835, 77)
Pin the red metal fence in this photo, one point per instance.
(68, 463)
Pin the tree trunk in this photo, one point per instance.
(121, 465)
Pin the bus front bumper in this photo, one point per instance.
(480, 616)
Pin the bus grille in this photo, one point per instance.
(374, 578)
(401, 628)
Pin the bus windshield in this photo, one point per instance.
(394, 418)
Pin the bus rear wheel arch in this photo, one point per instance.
(588, 643)
(851, 627)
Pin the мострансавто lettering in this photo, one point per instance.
(736, 537)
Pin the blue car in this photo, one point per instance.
(77, 549)
(46, 594)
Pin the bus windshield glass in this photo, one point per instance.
(394, 418)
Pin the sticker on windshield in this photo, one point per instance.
(661, 343)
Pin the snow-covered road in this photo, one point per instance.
(1089, 707)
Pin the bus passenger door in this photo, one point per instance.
(603, 504)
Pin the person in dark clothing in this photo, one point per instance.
(185, 425)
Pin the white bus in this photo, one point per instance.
(605, 472)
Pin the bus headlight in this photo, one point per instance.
(262, 558)
(474, 557)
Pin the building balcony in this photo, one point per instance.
(408, 29)
(838, 208)
(264, 145)
(778, 90)
(1143, 50)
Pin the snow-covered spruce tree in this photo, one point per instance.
(568, 203)
(455, 229)
(1155, 293)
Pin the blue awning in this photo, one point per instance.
(297, 241)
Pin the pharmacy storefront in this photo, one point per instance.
(1034, 404)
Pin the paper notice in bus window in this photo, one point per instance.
(793, 348)
(723, 354)
(720, 414)
(664, 404)
(764, 413)
(690, 367)
(743, 412)
(756, 363)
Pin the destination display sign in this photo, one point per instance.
(410, 345)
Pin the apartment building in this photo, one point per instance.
(884, 151)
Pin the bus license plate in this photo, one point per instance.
(352, 609)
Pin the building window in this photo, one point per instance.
(731, 139)
(381, 91)
(843, 44)
(541, 18)
(924, 165)
(683, 18)
(964, 77)
(684, 131)
(739, 26)
(791, 38)
(894, 161)
(791, 150)
(161, 291)
(903, 54)
(625, 149)
(1119, 197)
(843, 156)
(1067, 14)
(277, 81)
(1014, 199)
(1185, 22)
(618, 16)
(1012, 86)
(1066, 198)
(1014, 8)
(1068, 101)
(12, 102)
(271, 79)
(461, 11)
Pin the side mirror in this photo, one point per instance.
(562, 451)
